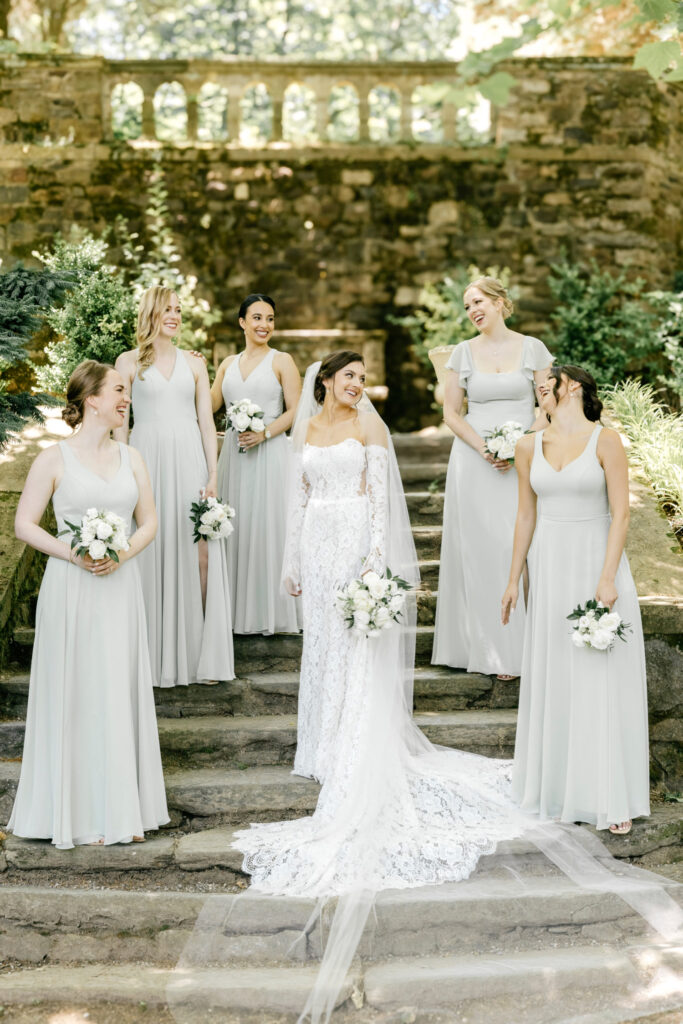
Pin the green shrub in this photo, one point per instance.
(670, 336)
(441, 318)
(601, 322)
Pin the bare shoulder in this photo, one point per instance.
(196, 363)
(49, 460)
(609, 441)
(136, 459)
(374, 429)
(283, 361)
(525, 445)
(127, 362)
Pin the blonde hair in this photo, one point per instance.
(86, 380)
(492, 287)
(151, 308)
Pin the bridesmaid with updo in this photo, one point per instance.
(254, 481)
(185, 584)
(496, 372)
(91, 766)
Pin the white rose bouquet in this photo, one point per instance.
(100, 534)
(244, 415)
(211, 519)
(597, 627)
(501, 442)
(372, 602)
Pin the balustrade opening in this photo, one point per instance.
(299, 121)
(212, 113)
(170, 112)
(126, 110)
(343, 114)
(256, 115)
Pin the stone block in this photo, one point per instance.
(356, 176)
(443, 214)
(241, 191)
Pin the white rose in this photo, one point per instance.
(252, 408)
(353, 587)
(370, 577)
(585, 622)
(104, 530)
(241, 421)
(257, 425)
(382, 616)
(97, 549)
(393, 587)
(375, 586)
(91, 513)
(204, 530)
(579, 639)
(610, 621)
(206, 517)
(226, 528)
(494, 444)
(361, 619)
(87, 534)
(362, 600)
(601, 639)
(506, 451)
(396, 603)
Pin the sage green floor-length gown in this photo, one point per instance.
(581, 752)
(255, 484)
(187, 644)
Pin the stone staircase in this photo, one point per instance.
(515, 943)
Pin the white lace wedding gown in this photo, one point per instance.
(394, 811)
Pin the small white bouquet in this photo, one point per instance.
(244, 415)
(597, 627)
(100, 534)
(372, 602)
(501, 442)
(211, 519)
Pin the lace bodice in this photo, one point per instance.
(339, 473)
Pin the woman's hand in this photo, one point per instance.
(292, 587)
(101, 567)
(509, 602)
(606, 593)
(250, 438)
(211, 489)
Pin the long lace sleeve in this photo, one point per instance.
(300, 491)
(376, 470)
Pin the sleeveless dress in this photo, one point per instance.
(480, 509)
(255, 484)
(91, 766)
(581, 752)
(187, 645)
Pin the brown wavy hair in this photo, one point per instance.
(495, 289)
(330, 365)
(592, 406)
(151, 308)
(86, 380)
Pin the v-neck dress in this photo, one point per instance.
(480, 509)
(91, 766)
(255, 484)
(581, 752)
(187, 644)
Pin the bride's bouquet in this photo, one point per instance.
(372, 602)
(211, 519)
(501, 442)
(100, 534)
(244, 415)
(597, 627)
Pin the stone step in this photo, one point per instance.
(412, 447)
(427, 542)
(538, 987)
(655, 839)
(425, 508)
(436, 689)
(278, 653)
(44, 924)
(253, 740)
(423, 475)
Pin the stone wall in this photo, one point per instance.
(587, 157)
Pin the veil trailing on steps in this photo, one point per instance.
(396, 813)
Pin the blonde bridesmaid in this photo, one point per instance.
(186, 587)
(254, 481)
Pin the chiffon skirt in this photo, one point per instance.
(254, 483)
(581, 752)
(91, 766)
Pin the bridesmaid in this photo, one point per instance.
(91, 768)
(186, 588)
(254, 482)
(582, 751)
(496, 372)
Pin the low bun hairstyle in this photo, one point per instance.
(495, 289)
(86, 380)
(592, 406)
(330, 365)
(250, 300)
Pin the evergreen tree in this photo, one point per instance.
(24, 297)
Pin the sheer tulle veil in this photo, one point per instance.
(346, 855)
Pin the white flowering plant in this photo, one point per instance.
(372, 602)
(597, 627)
(100, 534)
(501, 442)
(211, 519)
(244, 415)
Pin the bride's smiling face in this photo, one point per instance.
(348, 384)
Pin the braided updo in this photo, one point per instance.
(592, 406)
(330, 365)
(86, 380)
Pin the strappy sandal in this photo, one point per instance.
(505, 678)
(621, 830)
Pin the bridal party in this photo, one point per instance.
(166, 547)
